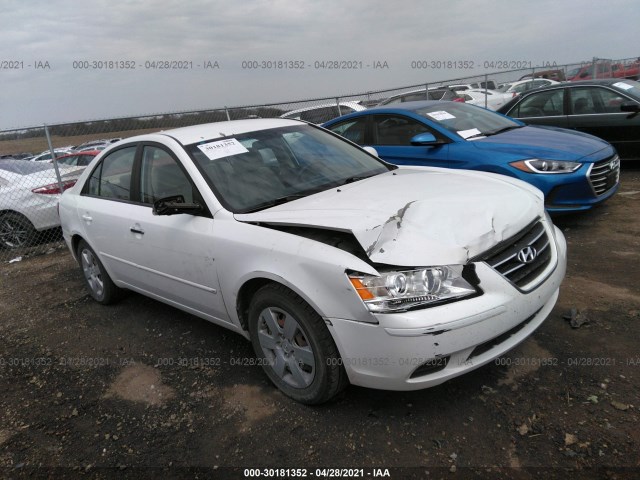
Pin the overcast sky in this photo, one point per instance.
(56, 33)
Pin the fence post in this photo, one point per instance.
(338, 105)
(226, 110)
(54, 160)
(486, 85)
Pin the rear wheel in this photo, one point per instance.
(16, 231)
(100, 285)
(294, 345)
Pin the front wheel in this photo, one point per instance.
(295, 346)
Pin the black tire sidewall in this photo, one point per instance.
(19, 218)
(311, 324)
(109, 288)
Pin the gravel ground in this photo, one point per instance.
(141, 390)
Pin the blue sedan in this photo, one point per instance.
(575, 171)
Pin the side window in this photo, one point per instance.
(84, 160)
(321, 115)
(414, 97)
(112, 177)
(68, 160)
(352, 130)
(589, 100)
(161, 176)
(582, 101)
(543, 104)
(396, 130)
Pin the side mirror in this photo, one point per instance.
(630, 107)
(423, 139)
(175, 205)
(371, 150)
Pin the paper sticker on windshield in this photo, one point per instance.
(441, 115)
(622, 85)
(222, 148)
(469, 133)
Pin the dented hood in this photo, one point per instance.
(417, 216)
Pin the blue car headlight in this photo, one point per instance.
(537, 165)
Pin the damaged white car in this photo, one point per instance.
(339, 267)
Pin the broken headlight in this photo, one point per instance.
(401, 290)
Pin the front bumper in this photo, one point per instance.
(426, 347)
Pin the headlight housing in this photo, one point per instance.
(537, 165)
(400, 290)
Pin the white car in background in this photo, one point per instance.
(29, 194)
(47, 157)
(516, 88)
(494, 100)
(323, 113)
(339, 267)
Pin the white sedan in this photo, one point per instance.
(516, 88)
(323, 113)
(494, 100)
(337, 266)
(29, 193)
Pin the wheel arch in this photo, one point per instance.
(251, 285)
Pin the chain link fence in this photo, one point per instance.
(30, 188)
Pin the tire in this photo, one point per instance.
(294, 346)
(98, 281)
(16, 231)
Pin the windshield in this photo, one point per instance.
(629, 87)
(467, 121)
(261, 169)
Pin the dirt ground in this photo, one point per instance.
(142, 390)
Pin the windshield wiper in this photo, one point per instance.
(503, 129)
(357, 178)
(274, 202)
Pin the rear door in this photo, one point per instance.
(596, 110)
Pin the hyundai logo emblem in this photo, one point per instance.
(613, 165)
(527, 254)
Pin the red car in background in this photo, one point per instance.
(605, 69)
(79, 159)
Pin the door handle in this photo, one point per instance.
(137, 229)
(87, 218)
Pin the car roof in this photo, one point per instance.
(410, 106)
(211, 131)
(599, 81)
(356, 104)
(581, 83)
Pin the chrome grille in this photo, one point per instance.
(508, 259)
(605, 175)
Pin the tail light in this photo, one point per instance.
(459, 100)
(54, 188)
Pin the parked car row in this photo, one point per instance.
(313, 265)
(574, 171)
(416, 229)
